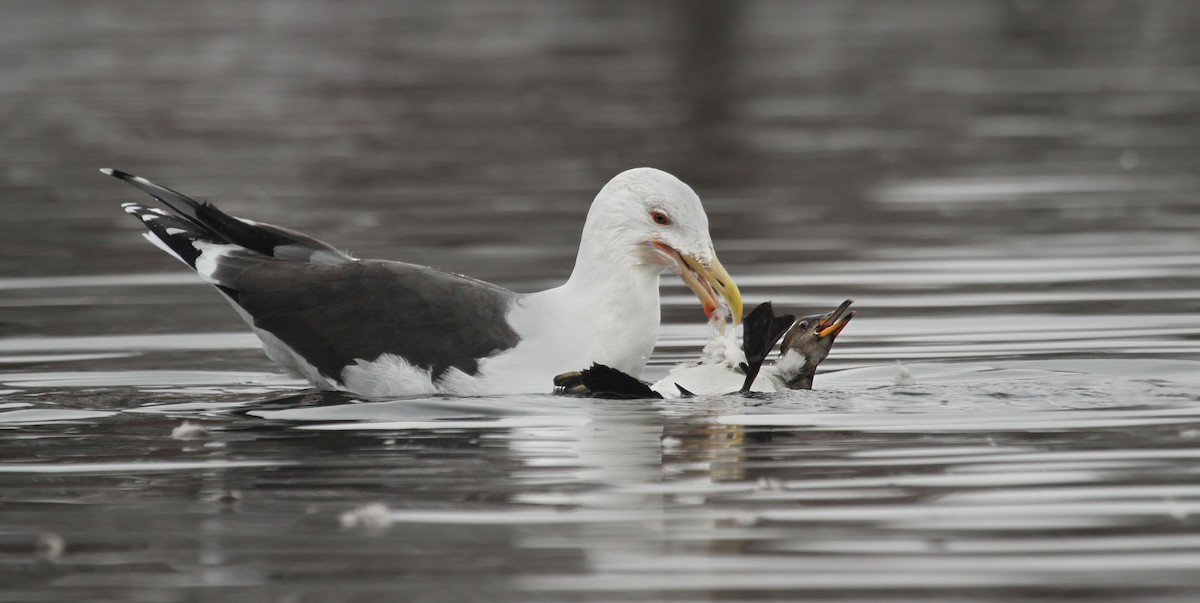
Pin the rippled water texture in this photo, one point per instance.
(1009, 190)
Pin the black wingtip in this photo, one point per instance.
(174, 199)
(118, 174)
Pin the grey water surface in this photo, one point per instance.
(1009, 190)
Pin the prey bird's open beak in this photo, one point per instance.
(835, 321)
(710, 282)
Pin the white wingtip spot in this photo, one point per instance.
(106, 171)
(211, 256)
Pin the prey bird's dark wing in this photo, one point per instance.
(760, 330)
(601, 381)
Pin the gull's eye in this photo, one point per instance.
(803, 326)
(661, 218)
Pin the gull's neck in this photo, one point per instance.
(610, 267)
(606, 312)
(614, 298)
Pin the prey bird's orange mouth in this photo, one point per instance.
(834, 322)
(709, 281)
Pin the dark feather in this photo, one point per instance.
(602, 381)
(760, 330)
(333, 314)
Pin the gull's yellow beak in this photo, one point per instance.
(708, 281)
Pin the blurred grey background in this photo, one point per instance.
(472, 135)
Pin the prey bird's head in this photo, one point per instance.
(653, 220)
(812, 336)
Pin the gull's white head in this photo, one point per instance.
(650, 220)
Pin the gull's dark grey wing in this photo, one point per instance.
(327, 307)
(334, 314)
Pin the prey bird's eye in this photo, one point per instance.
(660, 218)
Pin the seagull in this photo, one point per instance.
(379, 328)
(724, 367)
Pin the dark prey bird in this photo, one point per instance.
(725, 369)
